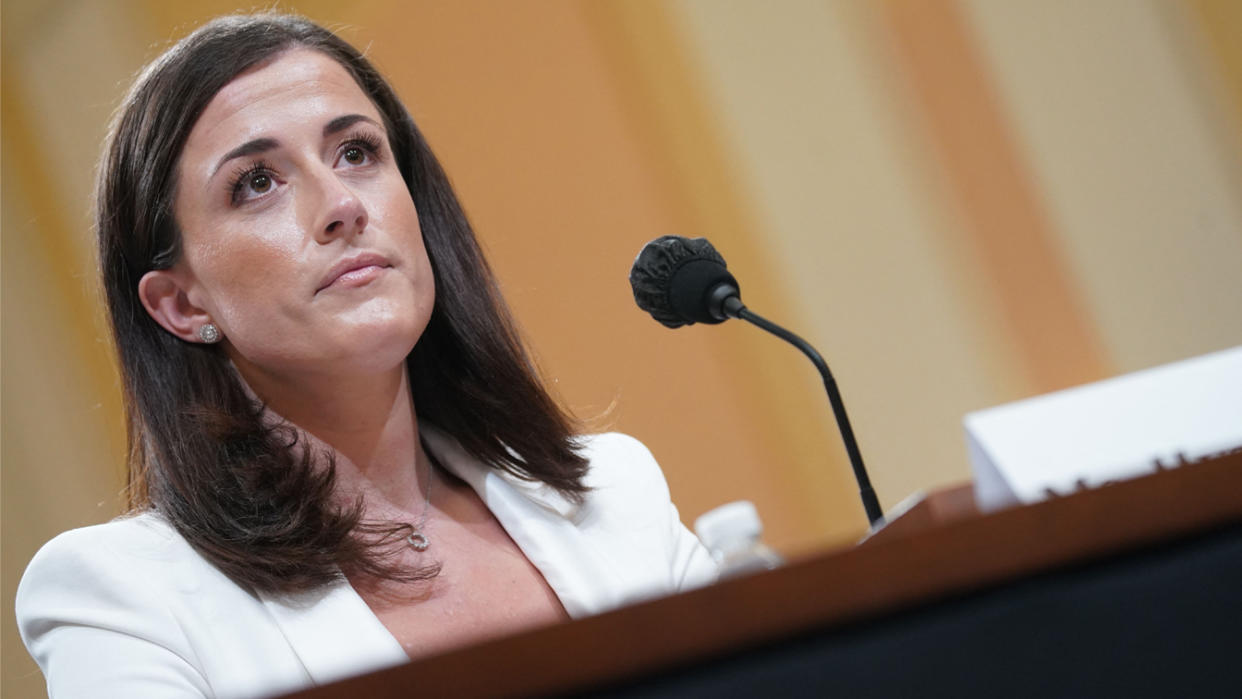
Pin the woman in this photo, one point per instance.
(340, 454)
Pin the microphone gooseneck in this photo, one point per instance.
(682, 281)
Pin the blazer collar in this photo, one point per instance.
(549, 528)
(454, 459)
(334, 633)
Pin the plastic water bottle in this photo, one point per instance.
(732, 534)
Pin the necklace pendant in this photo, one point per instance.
(417, 541)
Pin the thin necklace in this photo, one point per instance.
(416, 538)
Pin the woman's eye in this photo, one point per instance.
(252, 182)
(359, 150)
(260, 183)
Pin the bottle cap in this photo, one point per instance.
(729, 525)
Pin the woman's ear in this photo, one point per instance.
(164, 295)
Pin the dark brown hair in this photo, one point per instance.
(237, 486)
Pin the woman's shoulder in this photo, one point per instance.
(618, 459)
(97, 597)
(127, 560)
(141, 524)
(126, 540)
(623, 479)
(612, 442)
(629, 502)
(129, 608)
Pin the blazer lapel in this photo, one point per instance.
(334, 633)
(546, 527)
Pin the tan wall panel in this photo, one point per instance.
(1001, 209)
(62, 444)
(1132, 168)
(1212, 42)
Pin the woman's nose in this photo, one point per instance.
(344, 213)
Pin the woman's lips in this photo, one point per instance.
(356, 271)
(358, 277)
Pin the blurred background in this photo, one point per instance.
(960, 202)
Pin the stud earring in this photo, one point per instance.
(209, 333)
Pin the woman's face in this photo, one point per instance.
(300, 239)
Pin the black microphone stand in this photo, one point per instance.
(734, 308)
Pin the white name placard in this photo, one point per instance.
(1111, 430)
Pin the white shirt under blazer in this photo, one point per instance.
(129, 609)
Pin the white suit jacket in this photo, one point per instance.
(129, 609)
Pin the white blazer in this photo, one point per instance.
(129, 609)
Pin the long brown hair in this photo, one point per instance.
(202, 453)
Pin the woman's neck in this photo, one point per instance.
(371, 426)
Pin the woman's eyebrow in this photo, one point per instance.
(258, 145)
(344, 122)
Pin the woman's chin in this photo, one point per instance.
(370, 349)
(341, 345)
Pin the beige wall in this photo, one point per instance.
(960, 203)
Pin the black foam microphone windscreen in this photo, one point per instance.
(680, 281)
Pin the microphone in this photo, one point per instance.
(683, 281)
